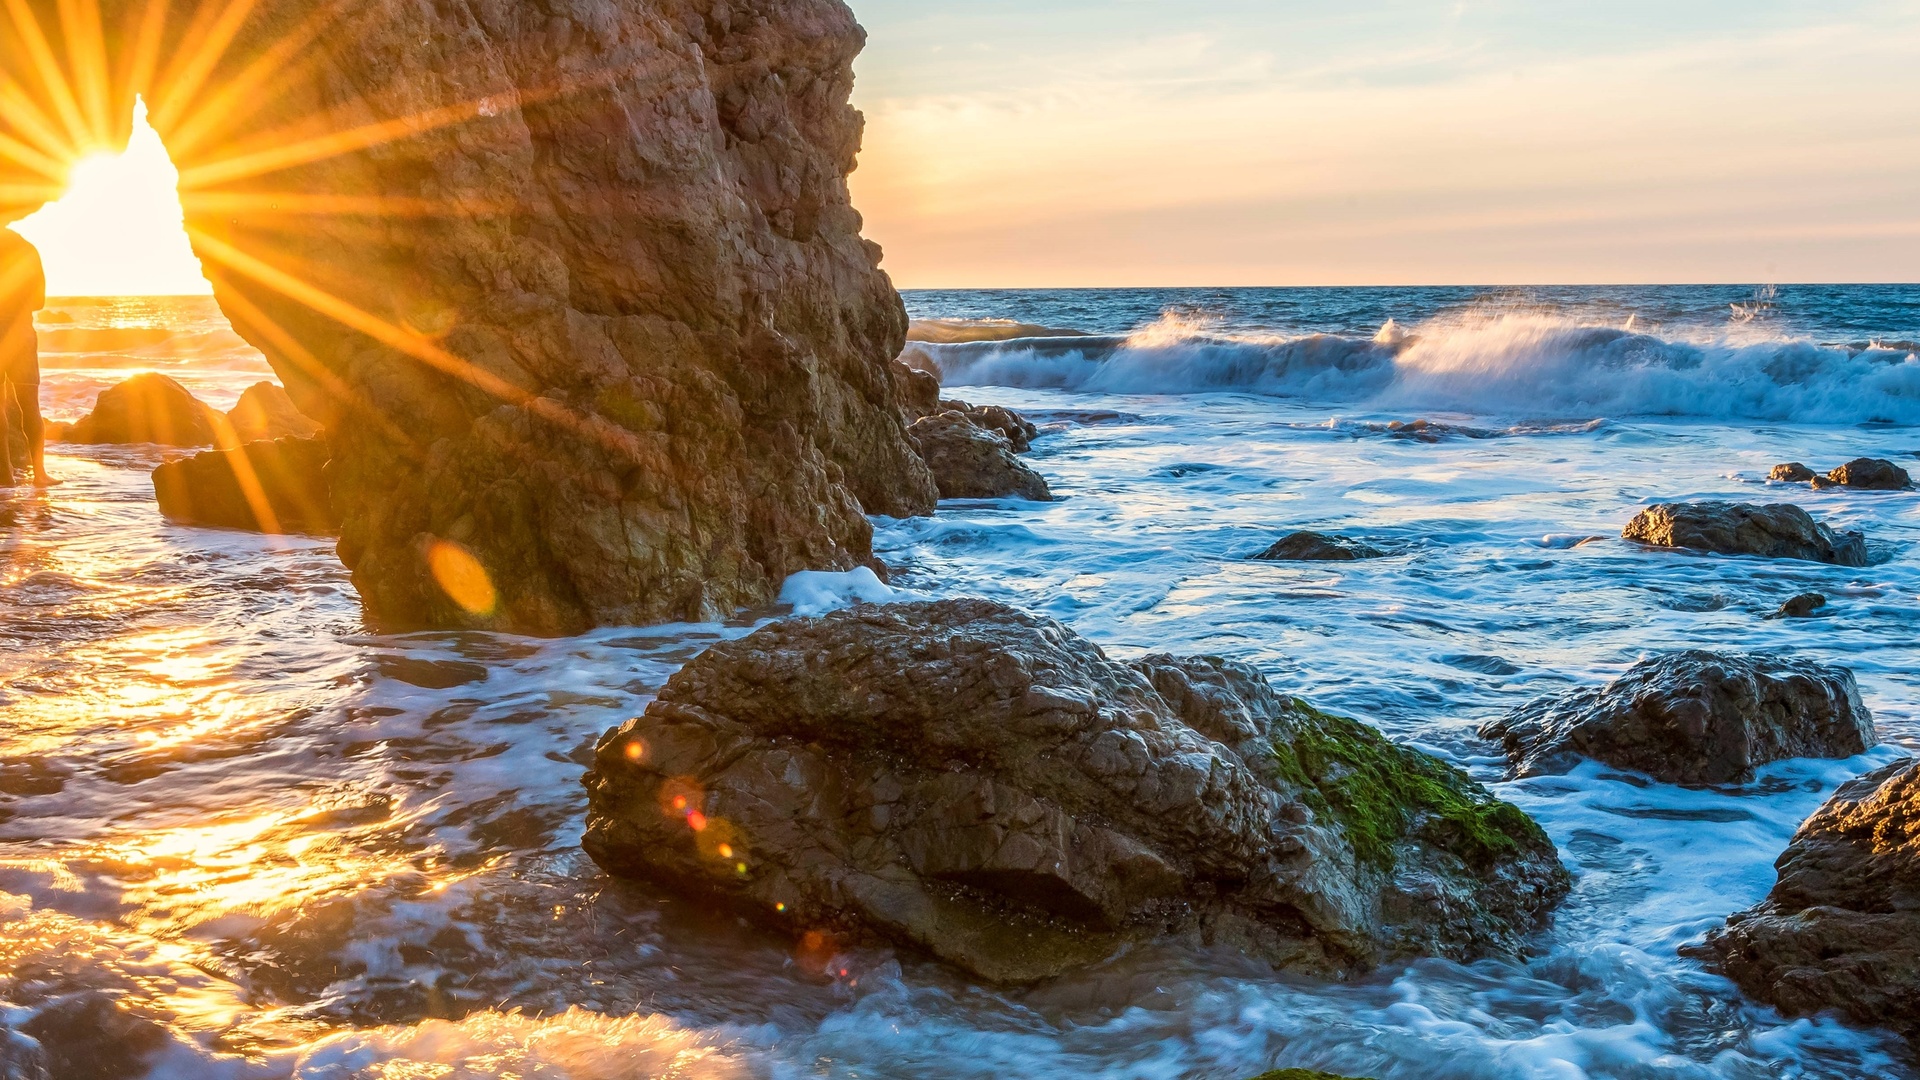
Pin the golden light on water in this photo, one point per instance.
(460, 575)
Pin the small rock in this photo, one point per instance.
(1872, 474)
(971, 462)
(150, 408)
(1800, 607)
(1841, 928)
(1792, 473)
(270, 487)
(1318, 547)
(1015, 427)
(1777, 531)
(265, 412)
(1693, 718)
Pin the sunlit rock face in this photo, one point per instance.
(577, 286)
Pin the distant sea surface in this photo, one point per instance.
(283, 846)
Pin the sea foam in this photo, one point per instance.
(1510, 365)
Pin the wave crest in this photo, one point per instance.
(1506, 365)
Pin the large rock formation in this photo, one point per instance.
(1872, 474)
(150, 408)
(1841, 928)
(991, 788)
(1693, 718)
(270, 487)
(577, 286)
(1777, 531)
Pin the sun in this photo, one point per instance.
(119, 229)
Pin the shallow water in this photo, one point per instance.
(292, 848)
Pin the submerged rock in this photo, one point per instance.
(270, 487)
(1872, 474)
(1776, 531)
(149, 408)
(1319, 547)
(1693, 718)
(972, 462)
(1792, 473)
(1841, 928)
(989, 787)
(265, 413)
(1800, 607)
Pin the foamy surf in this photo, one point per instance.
(1504, 365)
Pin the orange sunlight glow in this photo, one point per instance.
(119, 229)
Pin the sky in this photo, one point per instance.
(1149, 142)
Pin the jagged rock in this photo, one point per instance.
(916, 392)
(149, 408)
(1319, 547)
(1841, 928)
(1017, 430)
(1792, 473)
(1800, 607)
(270, 487)
(1872, 474)
(971, 462)
(265, 413)
(989, 787)
(635, 359)
(1777, 531)
(1693, 718)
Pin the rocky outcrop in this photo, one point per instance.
(1693, 718)
(150, 408)
(915, 392)
(1793, 473)
(1841, 928)
(1872, 474)
(989, 787)
(1015, 428)
(1777, 531)
(972, 462)
(578, 286)
(265, 413)
(269, 487)
(1319, 547)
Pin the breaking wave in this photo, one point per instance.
(1508, 365)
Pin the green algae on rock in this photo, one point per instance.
(989, 787)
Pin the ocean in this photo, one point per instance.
(290, 847)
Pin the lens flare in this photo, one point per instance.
(460, 575)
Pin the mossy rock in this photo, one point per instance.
(1299, 1074)
(1381, 793)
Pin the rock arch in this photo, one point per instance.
(575, 284)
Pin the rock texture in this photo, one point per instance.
(989, 787)
(150, 408)
(1693, 718)
(972, 462)
(265, 413)
(1841, 928)
(1017, 430)
(269, 487)
(578, 286)
(1777, 531)
(1872, 474)
(1319, 547)
(1793, 473)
